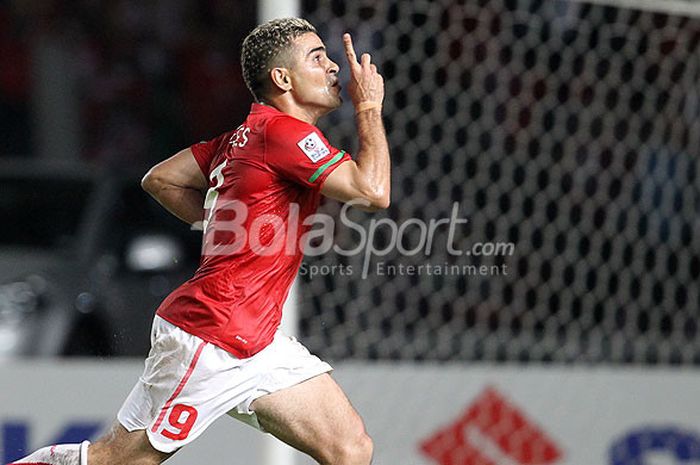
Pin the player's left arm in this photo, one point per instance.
(178, 184)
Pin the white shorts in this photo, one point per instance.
(188, 383)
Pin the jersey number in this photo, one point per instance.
(181, 419)
(213, 194)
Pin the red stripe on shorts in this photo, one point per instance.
(180, 386)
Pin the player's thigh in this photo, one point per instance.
(314, 417)
(119, 446)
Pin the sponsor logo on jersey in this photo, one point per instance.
(313, 147)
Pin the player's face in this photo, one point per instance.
(314, 75)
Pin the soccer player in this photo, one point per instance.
(216, 348)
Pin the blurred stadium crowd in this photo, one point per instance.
(151, 76)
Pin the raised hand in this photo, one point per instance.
(366, 86)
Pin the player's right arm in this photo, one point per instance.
(368, 178)
(178, 184)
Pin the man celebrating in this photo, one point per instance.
(216, 347)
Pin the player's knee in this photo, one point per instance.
(355, 450)
(366, 449)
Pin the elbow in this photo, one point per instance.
(383, 203)
(379, 200)
(370, 203)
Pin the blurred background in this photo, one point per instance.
(568, 129)
(124, 82)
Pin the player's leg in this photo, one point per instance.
(316, 418)
(119, 446)
(116, 447)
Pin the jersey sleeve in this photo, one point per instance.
(299, 152)
(205, 151)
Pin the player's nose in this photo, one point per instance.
(333, 67)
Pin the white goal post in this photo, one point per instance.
(276, 452)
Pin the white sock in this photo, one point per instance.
(83, 452)
(60, 454)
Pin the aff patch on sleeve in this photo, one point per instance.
(313, 147)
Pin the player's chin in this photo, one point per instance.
(336, 103)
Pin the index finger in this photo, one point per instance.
(350, 50)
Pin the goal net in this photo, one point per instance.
(567, 134)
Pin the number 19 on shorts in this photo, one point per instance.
(180, 422)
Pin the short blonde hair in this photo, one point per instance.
(264, 48)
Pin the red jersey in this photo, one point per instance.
(265, 179)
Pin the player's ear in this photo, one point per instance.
(280, 79)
